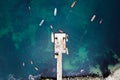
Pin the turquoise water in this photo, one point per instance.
(92, 46)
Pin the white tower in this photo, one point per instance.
(59, 40)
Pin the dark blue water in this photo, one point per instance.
(92, 46)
